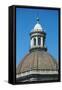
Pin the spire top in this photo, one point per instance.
(37, 20)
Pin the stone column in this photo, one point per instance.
(31, 42)
(36, 41)
(41, 41)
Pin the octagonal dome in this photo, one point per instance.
(37, 60)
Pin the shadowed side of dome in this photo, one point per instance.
(18, 67)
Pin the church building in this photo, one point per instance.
(38, 64)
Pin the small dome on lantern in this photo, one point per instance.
(38, 26)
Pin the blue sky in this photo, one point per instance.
(25, 22)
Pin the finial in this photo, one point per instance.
(37, 20)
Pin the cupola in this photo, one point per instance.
(37, 37)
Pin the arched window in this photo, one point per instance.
(34, 41)
(39, 41)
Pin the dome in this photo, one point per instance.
(37, 27)
(37, 60)
(38, 64)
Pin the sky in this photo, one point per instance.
(25, 22)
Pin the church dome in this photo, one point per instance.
(37, 60)
(38, 64)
